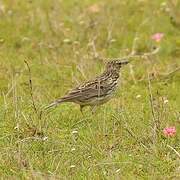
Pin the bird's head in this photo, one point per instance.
(115, 65)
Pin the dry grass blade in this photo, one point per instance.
(31, 88)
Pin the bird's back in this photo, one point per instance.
(100, 89)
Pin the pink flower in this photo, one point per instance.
(169, 131)
(157, 37)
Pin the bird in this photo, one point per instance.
(96, 91)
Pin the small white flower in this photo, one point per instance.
(72, 166)
(66, 40)
(164, 4)
(45, 138)
(1, 40)
(138, 96)
(74, 132)
(73, 149)
(113, 40)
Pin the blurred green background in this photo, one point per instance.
(65, 43)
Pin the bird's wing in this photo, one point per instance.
(95, 88)
(90, 89)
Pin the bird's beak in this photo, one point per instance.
(124, 62)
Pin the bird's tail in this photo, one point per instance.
(55, 103)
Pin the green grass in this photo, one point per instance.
(119, 140)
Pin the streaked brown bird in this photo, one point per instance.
(97, 91)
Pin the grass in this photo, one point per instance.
(62, 41)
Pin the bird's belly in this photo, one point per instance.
(99, 100)
(104, 100)
(95, 101)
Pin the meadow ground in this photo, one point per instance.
(65, 43)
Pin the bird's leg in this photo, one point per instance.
(93, 109)
(81, 108)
